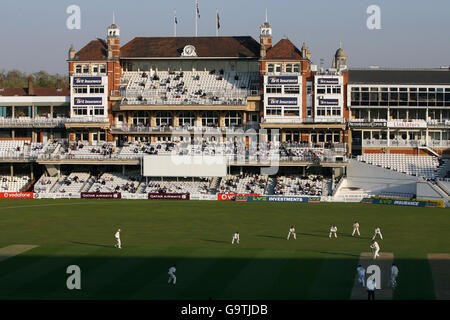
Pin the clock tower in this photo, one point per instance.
(265, 37)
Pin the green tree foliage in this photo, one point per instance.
(42, 79)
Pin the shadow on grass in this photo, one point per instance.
(92, 244)
(269, 236)
(215, 241)
(198, 278)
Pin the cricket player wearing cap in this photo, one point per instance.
(292, 231)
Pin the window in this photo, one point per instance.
(102, 68)
(141, 118)
(95, 68)
(337, 90)
(187, 118)
(78, 68)
(278, 68)
(86, 68)
(309, 88)
(80, 90)
(296, 68)
(270, 68)
(321, 90)
(289, 68)
(210, 119)
(99, 111)
(164, 118)
(97, 90)
(80, 110)
(273, 89)
(233, 118)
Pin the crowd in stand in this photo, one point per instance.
(311, 185)
(244, 183)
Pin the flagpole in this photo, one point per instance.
(196, 17)
(217, 22)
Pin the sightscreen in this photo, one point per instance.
(184, 166)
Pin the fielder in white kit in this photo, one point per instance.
(292, 231)
(356, 228)
(118, 243)
(333, 230)
(375, 248)
(172, 276)
(361, 275)
(235, 238)
(377, 231)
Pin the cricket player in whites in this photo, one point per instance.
(172, 276)
(375, 248)
(118, 243)
(356, 228)
(377, 231)
(394, 274)
(292, 231)
(235, 238)
(361, 274)
(333, 229)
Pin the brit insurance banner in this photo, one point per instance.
(278, 199)
(101, 195)
(168, 196)
(281, 101)
(328, 102)
(282, 80)
(328, 81)
(87, 80)
(94, 101)
(405, 202)
(16, 195)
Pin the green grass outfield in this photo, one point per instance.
(196, 236)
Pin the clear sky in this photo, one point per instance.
(414, 33)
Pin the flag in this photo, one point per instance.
(176, 21)
(218, 21)
(198, 10)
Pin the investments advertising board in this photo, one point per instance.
(278, 199)
(282, 80)
(282, 101)
(87, 80)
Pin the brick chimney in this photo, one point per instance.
(30, 86)
(59, 84)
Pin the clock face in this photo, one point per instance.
(189, 51)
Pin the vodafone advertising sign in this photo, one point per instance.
(231, 196)
(16, 195)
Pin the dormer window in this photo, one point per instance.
(278, 68)
(86, 68)
(270, 68)
(102, 68)
(95, 68)
(296, 68)
(289, 68)
(78, 68)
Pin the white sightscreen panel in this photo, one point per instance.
(184, 166)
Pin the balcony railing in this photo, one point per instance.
(32, 122)
(86, 119)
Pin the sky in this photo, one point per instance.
(413, 34)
